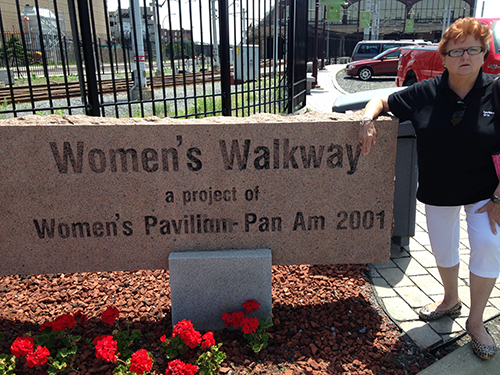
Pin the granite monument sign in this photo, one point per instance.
(94, 197)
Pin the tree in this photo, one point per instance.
(13, 51)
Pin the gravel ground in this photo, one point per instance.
(354, 84)
(324, 321)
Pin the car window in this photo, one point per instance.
(393, 55)
(385, 47)
(368, 48)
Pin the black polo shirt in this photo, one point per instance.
(454, 162)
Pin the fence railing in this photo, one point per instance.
(177, 58)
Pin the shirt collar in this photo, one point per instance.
(480, 82)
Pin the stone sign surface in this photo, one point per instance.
(84, 195)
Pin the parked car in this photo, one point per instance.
(384, 64)
(366, 49)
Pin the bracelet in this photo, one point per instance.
(365, 120)
(495, 199)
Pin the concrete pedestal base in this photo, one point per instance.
(135, 95)
(206, 284)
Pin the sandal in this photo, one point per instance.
(426, 314)
(481, 350)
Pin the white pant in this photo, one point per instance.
(443, 225)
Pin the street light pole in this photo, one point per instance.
(324, 39)
(315, 57)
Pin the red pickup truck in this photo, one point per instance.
(423, 62)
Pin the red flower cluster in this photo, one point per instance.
(178, 367)
(39, 357)
(251, 305)
(22, 346)
(185, 330)
(62, 322)
(105, 348)
(238, 319)
(110, 315)
(81, 319)
(141, 362)
(208, 340)
(25, 346)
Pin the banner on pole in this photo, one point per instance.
(364, 19)
(409, 26)
(332, 2)
(333, 13)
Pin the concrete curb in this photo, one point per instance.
(463, 361)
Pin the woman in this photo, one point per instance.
(456, 134)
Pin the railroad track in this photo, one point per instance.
(25, 94)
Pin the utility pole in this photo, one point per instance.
(315, 57)
(215, 47)
(140, 90)
(156, 11)
(324, 39)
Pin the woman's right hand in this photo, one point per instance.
(367, 132)
(367, 136)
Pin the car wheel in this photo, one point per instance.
(365, 74)
(410, 81)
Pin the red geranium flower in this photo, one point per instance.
(110, 315)
(105, 348)
(163, 338)
(228, 319)
(39, 357)
(185, 330)
(141, 362)
(238, 317)
(251, 305)
(62, 322)
(46, 325)
(81, 319)
(22, 346)
(250, 325)
(178, 367)
(208, 340)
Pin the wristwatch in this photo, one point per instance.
(495, 198)
(365, 120)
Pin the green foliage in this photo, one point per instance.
(12, 50)
(7, 364)
(124, 340)
(61, 343)
(211, 106)
(209, 362)
(180, 50)
(174, 346)
(259, 340)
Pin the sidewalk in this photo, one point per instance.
(411, 279)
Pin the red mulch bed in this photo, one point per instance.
(325, 320)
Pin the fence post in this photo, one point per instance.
(90, 71)
(225, 71)
(291, 56)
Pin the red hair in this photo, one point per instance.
(461, 29)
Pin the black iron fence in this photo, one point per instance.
(169, 58)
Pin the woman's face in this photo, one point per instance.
(466, 64)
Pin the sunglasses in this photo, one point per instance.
(459, 113)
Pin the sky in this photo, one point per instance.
(491, 8)
(236, 8)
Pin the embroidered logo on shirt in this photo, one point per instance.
(488, 113)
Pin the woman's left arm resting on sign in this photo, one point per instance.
(493, 211)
